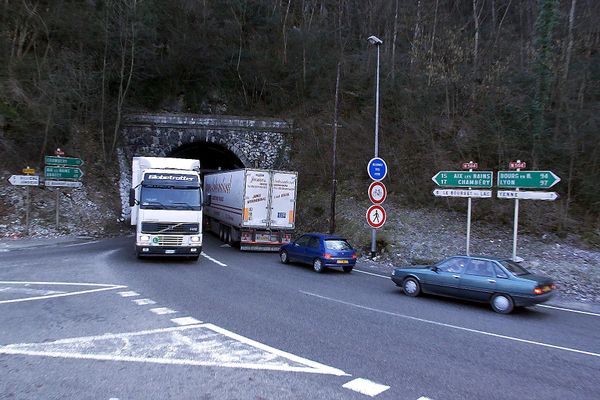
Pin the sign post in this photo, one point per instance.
(28, 181)
(377, 170)
(464, 179)
(60, 167)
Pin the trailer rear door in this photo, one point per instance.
(256, 199)
(283, 200)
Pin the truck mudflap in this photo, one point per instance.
(168, 251)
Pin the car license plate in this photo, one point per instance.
(169, 251)
(546, 289)
(342, 261)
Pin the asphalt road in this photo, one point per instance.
(87, 320)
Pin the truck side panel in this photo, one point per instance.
(226, 192)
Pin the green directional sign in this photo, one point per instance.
(57, 172)
(66, 161)
(527, 179)
(473, 179)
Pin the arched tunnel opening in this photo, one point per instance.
(213, 157)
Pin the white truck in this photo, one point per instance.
(166, 206)
(253, 207)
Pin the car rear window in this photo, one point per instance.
(513, 267)
(336, 244)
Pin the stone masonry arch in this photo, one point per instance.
(255, 142)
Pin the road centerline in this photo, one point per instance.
(461, 328)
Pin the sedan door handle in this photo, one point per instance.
(491, 280)
(456, 276)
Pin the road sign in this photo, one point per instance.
(28, 171)
(24, 180)
(377, 192)
(376, 216)
(66, 161)
(470, 165)
(463, 178)
(514, 194)
(527, 179)
(73, 184)
(462, 193)
(517, 165)
(62, 172)
(377, 169)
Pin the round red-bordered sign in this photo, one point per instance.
(376, 216)
(377, 192)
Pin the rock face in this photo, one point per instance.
(257, 142)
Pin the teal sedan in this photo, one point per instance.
(501, 282)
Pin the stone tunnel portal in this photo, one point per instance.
(213, 157)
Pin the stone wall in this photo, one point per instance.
(257, 142)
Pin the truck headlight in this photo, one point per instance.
(195, 239)
(144, 238)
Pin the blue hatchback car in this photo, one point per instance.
(321, 251)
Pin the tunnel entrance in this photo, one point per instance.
(213, 157)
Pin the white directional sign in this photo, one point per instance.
(24, 180)
(72, 184)
(513, 194)
(462, 193)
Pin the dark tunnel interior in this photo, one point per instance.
(213, 157)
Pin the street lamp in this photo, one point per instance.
(374, 40)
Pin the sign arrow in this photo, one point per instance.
(24, 180)
(462, 193)
(463, 178)
(527, 179)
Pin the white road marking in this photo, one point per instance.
(81, 244)
(372, 274)
(143, 302)
(162, 311)
(62, 283)
(51, 296)
(568, 309)
(203, 254)
(365, 386)
(202, 345)
(27, 290)
(183, 321)
(461, 328)
(423, 398)
(128, 294)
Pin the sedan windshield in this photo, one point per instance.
(337, 244)
(513, 267)
(160, 198)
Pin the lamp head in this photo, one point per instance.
(374, 40)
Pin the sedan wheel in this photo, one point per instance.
(318, 265)
(411, 287)
(502, 303)
(283, 256)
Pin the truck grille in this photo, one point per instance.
(169, 240)
(169, 228)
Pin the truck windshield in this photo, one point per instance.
(169, 198)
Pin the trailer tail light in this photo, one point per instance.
(287, 238)
(246, 237)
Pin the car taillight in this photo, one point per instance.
(553, 286)
(354, 256)
(327, 255)
(538, 290)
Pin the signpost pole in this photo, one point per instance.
(57, 200)
(469, 217)
(516, 222)
(374, 231)
(27, 212)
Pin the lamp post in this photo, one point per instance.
(374, 40)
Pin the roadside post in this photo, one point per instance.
(517, 180)
(465, 179)
(377, 170)
(27, 180)
(62, 171)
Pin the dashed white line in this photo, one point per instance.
(372, 274)
(365, 386)
(162, 311)
(569, 310)
(423, 398)
(128, 294)
(203, 254)
(143, 302)
(461, 328)
(186, 321)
